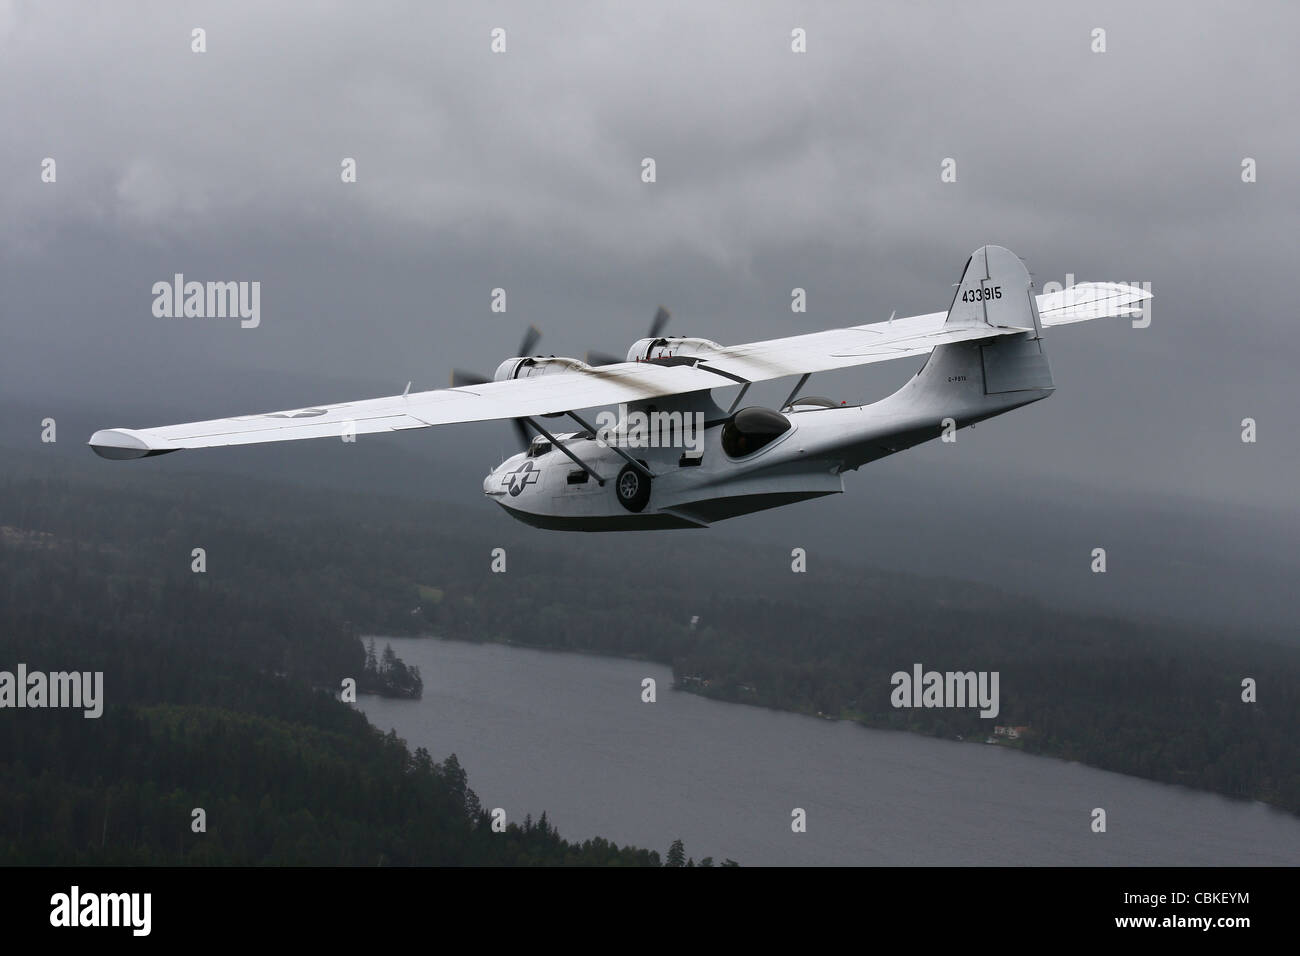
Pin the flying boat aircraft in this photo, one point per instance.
(674, 458)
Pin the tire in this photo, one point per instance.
(632, 489)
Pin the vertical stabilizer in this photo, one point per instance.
(995, 290)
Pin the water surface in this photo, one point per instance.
(568, 734)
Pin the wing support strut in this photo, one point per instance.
(617, 450)
(555, 444)
(794, 392)
(739, 395)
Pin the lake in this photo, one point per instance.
(569, 734)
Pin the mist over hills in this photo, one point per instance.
(926, 513)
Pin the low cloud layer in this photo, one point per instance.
(774, 170)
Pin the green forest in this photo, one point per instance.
(222, 685)
(221, 697)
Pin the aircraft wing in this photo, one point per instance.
(589, 387)
(916, 335)
(510, 399)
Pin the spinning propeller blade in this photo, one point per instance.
(461, 378)
(531, 337)
(521, 430)
(659, 322)
(597, 359)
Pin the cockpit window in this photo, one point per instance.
(538, 448)
(751, 429)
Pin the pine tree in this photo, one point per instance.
(676, 854)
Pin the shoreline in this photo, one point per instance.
(825, 718)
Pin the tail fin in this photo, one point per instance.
(995, 290)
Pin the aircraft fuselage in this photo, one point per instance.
(799, 453)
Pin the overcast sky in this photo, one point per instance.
(774, 170)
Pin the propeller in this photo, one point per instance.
(531, 336)
(461, 378)
(596, 359)
(658, 323)
(521, 431)
(657, 326)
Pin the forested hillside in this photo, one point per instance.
(219, 695)
(98, 576)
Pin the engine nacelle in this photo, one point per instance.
(531, 367)
(671, 347)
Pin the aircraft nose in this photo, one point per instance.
(487, 483)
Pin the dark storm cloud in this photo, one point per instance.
(775, 170)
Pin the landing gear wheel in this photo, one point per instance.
(632, 488)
